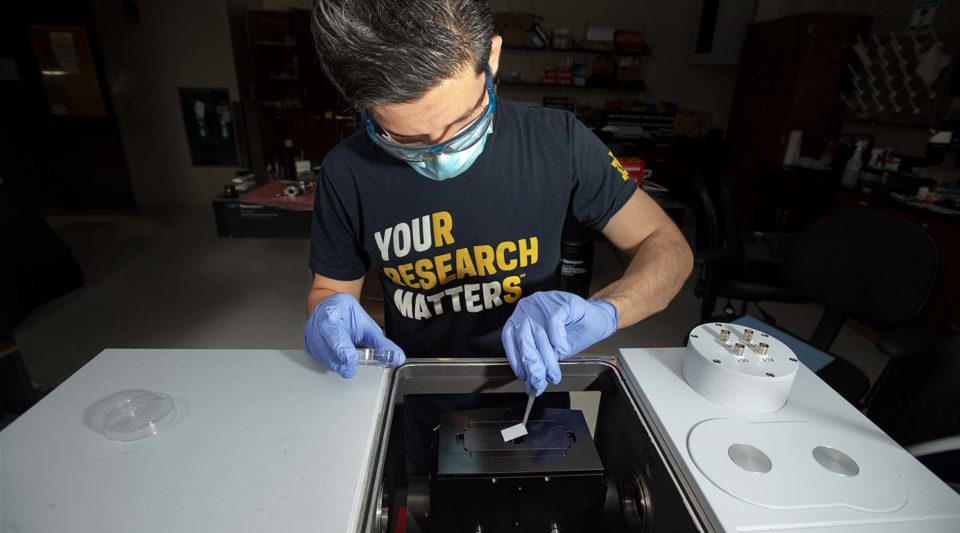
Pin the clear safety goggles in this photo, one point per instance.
(415, 152)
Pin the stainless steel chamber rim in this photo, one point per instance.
(372, 484)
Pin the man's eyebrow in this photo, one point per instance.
(466, 115)
(463, 117)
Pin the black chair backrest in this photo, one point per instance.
(920, 400)
(708, 220)
(717, 229)
(731, 233)
(871, 267)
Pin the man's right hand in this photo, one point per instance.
(337, 327)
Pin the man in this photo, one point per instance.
(457, 198)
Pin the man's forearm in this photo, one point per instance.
(316, 296)
(654, 276)
(324, 288)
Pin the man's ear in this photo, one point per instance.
(495, 45)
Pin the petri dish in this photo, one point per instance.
(375, 357)
(139, 416)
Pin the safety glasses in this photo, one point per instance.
(463, 140)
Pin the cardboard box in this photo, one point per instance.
(628, 70)
(598, 35)
(628, 40)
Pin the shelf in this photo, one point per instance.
(279, 105)
(632, 53)
(891, 122)
(276, 44)
(536, 85)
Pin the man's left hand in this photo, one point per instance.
(547, 327)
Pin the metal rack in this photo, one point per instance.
(900, 79)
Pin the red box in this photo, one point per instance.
(635, 167)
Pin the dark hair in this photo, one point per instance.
(380, 52)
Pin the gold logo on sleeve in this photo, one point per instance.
(616, 164)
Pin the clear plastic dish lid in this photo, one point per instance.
(138, 416)
(375, 357)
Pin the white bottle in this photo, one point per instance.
(852, 171)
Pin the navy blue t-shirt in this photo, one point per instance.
(454, 256)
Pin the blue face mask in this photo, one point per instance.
(445, 166)
(447, 159)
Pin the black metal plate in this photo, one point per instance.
(558, 441)
(544, 437)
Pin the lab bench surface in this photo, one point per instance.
(262, 441)
(810, 499)
(268, 441)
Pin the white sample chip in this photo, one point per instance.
(513, 432)
(518, 430)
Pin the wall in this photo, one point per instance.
(775, 9)
(888, 16)
(286, 4)
(181, 43)
(668, 28)
(177, 43)
(894, 16)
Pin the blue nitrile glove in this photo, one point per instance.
(337, 327)
(547, 327)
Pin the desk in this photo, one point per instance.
(264, 212)
(676, 410)
(266, 441)
(263, 441)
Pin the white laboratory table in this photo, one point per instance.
(269, 441)
(263, 441)
(810, 499)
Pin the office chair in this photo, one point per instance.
(919, 407)
(36, 266)
(17, 391)
(726, 271)
(870, 267)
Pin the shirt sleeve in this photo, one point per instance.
(335, 250)
(600, 185)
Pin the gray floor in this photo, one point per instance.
(169, 282)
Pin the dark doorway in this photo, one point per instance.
(59, 142)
